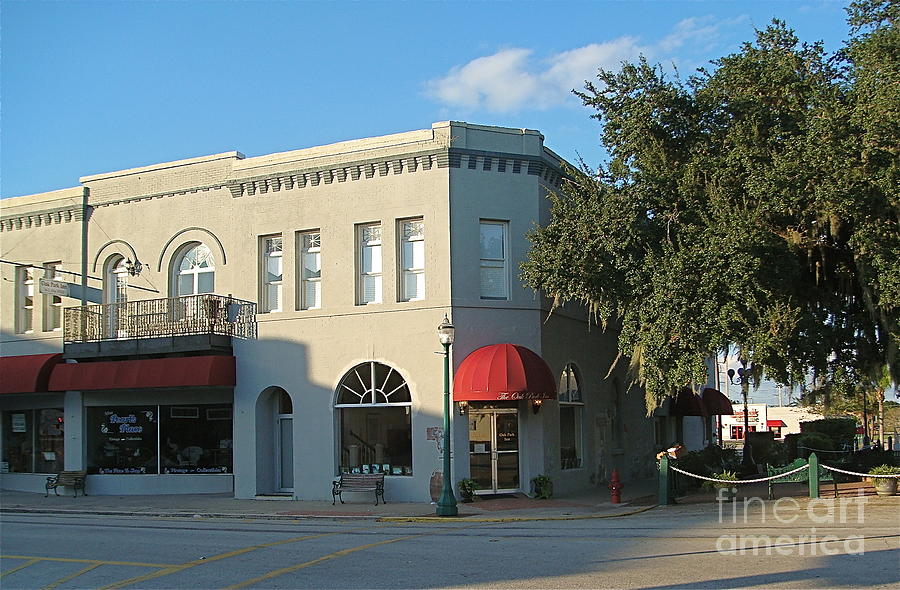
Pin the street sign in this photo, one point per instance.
(51, 287)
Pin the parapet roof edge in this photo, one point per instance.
(233, 155)
(74, 192)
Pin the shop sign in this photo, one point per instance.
(18, 423)
(194, 469)
(518, 395)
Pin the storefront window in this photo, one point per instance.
(159, 439)
(33, 441)
(571, 408)
(374, 411)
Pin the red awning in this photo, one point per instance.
(192, 371)
(503, 372)
(28, 373)
(775, 424)
(716, 402)
(688, 403)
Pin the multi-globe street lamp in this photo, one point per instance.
(446, 505)
(742, 377)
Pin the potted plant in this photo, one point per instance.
(885, 486)
(543, 487)
(467, 489)
(730, 489)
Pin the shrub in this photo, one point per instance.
(884, 470)
(712, 459)
(841, 431)
(762, 444)
(809, 443)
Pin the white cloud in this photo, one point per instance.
(512, 79)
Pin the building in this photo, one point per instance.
(259, 325)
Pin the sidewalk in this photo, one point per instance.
(594, 503)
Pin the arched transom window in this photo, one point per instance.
(195, 271)
(373, 406)
(373, 384)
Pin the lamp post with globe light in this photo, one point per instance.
(446, 505)
(743, 378)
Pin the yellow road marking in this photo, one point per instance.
(19, 567)
(181, 567)
(71, 576)
(76, 560)
(330, 556)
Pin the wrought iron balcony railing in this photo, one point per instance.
(156, 318)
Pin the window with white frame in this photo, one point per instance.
(373, 404)
(271, 272)
(52, 303)
(412, 260)
(310, 270)
(493, 245)
(571, 415)
(24, 300)
(369, 263)
(195, 271)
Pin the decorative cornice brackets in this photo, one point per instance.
(41, 218)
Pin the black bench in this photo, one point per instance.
(72, 479)
(800, 476)
(358, 482)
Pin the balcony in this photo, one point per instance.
(194, 323)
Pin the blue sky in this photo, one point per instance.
(90, 87)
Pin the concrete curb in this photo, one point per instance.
(445, 519)
(190, 514)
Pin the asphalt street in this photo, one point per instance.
(695, 546)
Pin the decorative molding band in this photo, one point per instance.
(506, 163)
(41, 218)
(189, 191)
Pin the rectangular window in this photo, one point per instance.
(271, 271)
(310, 270)
(52, 303)
(494, 254)
(570, 420)
(412, 260)
(33, 441)
(160, 439)
(24, 300)
(369, 263)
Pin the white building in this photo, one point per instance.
(259, 325)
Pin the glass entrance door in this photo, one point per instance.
(494, 450)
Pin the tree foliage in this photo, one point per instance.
(754, 204)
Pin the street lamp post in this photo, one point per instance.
(446, 505)
(743, 378)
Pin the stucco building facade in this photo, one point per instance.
(259, 325)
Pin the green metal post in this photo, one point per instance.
(446, 505)
(813, 476)
(664, 498)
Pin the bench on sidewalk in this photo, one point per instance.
(71, 479)
(358, 482)
(800, 476)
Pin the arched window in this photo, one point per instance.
(194, 271)
(571, 415)
(115, 295)
(373, 406)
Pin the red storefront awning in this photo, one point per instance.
(716, 402)
(688, 403)
(192, 371)
(503, 372)
(775, 424)
(28, 373)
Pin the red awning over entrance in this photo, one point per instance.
(688, 403)
(716, 402)
(193, 371)
(775, 424)
(28, 373)
(503, 372)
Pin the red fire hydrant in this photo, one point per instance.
(615, 487)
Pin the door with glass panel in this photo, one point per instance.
(285, 453)
(494, 450)
(115, 295)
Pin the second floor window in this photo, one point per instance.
(369, 263)
(493, 246)
(271, 271)
(52, 303)
(195, 271)
(24, 300)
(310, 270)
(412, 260)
